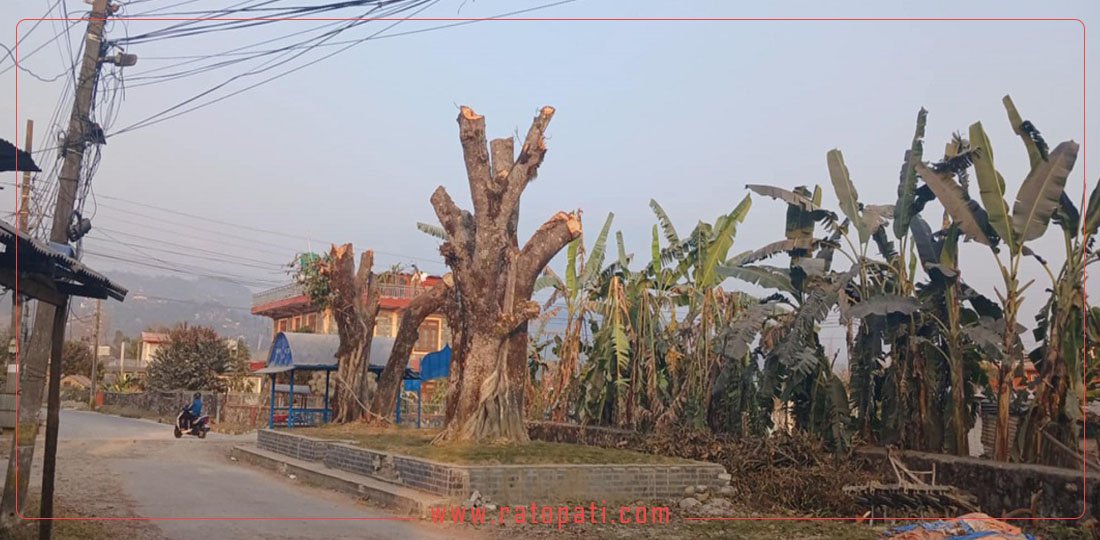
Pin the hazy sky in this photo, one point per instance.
(684, 112)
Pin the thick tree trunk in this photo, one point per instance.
(494, 279)
(355, 304)
(389, 384)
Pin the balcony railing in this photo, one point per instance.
(395, 290)
(278, 293)
(293, 290)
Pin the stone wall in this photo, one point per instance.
(168, 404)
(504, 484)
(1003, 487)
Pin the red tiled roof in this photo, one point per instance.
(154, 337)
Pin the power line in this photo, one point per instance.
(245, 282)
(208, 219)
(165, 114)
(221, 259)
(24, 57)
(184, 246)
(170, 265)
(28, 71)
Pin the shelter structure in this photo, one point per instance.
(293, 352)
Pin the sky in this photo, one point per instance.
(684, 112)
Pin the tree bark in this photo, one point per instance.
(494, 279)
(355, 304)
(385, 397)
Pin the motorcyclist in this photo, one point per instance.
(194, 412)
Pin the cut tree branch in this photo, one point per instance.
(475, 151)
(503, 152)
(459, 225)
(547, 241)
(526, 165)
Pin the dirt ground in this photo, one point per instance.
(80, 487)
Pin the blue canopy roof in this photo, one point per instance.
(293, 350)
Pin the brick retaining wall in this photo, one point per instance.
(524, 484)
(504, 484)
(295, 446)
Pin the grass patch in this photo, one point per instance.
(417, 443)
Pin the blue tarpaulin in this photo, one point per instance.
(436, 365)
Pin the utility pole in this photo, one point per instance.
(48, 334)
(95, 355)
(18, 303)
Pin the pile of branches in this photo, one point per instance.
(779, 473)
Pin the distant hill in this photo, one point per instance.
(164, 301)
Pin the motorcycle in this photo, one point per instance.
(197, 427)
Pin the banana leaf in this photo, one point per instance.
(1041, 193)
(784, 195)
(957, 204)
(992, 187)
(846, 193)
(666, 223)
(594, 262)
(883, 305)
(1092, 212)
(769, 277)
(432, 230)
(1037, 150)
(907, 186)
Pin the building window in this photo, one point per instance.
(383, 325)
(311, 322)
(429, 336)
(282, 325)
(296, 323)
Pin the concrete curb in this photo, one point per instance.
(387, 495)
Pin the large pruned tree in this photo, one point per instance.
(494, 279)
(354, 298)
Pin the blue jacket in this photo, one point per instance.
(196, 408)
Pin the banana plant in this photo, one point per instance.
(1051, 420)
(1038, 198)
(581, 275)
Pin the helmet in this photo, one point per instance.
(198, 395)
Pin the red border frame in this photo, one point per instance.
(694, 19)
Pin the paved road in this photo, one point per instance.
(162, 477)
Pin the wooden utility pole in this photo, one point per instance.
(45, 336)
(18, 302)
(95, 356)
(53, 419)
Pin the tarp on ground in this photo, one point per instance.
(969, 527)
